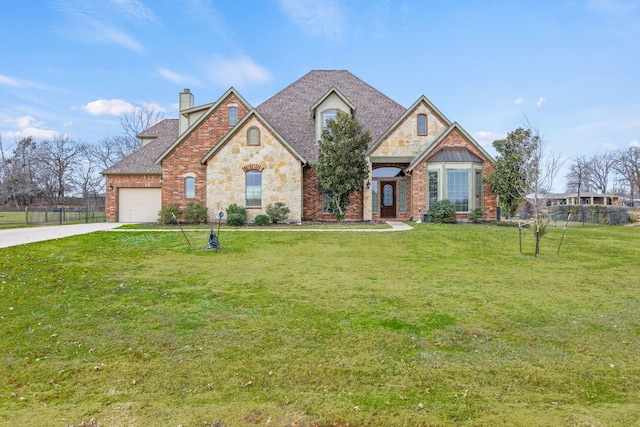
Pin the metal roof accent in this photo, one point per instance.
(455, 155)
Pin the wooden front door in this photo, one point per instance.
(387, 199)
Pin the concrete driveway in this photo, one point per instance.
(21, 236)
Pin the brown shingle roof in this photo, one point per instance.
(143, 160)
(289, 111)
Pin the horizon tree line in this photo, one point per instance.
(52, 169)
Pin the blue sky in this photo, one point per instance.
(570, 66)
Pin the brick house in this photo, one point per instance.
(230, 152)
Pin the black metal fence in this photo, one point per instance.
(51, 215)
(590, 214)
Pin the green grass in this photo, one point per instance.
(442, 325)
(12, 219)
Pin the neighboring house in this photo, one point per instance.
(230, 152)
(585, 198)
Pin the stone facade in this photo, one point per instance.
(404, 139)
(281, 173)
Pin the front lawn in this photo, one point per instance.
(442, 325)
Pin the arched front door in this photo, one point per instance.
(387, 199)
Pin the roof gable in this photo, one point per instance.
(330, 92)
(431, 148)
(213, 107)
(408, 112)
(240, 125)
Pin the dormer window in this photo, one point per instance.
(327, 115)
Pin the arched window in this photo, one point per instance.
(253, 188)
(422, 124)
(190, 187)
(253, 136)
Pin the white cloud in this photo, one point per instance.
(634, 143)
(614, 8)
(238, 72)
(94, 22)
(28, 126)
(540, 101)
(518, 101)
(109, 34)
(486, 138)
(118, 107)
(9, 81)
(318, 19)
(176, 78)
(106, 107)
(136, 11)
(152, 106)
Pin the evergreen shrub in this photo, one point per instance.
(443, 212)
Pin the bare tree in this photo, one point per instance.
(59, 158)
(110, 150)
(600, 169)
(627, 165)
(540, 168)
(138, 120)
(88, 180)
(578, 176)
(19, 171)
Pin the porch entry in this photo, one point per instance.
(389, 190)
(387, 199)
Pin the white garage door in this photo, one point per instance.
(139, 204)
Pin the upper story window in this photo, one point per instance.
(253, 136)
(190, 187)
(331, 114)
(422, 124)
(233, 115)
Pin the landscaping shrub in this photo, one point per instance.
(443, 212)
(236, 219)
(236, 215)
(235, 209)
(277, 212)
(166, 214)
(261, 220)
(476, 215)
(195, 213)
